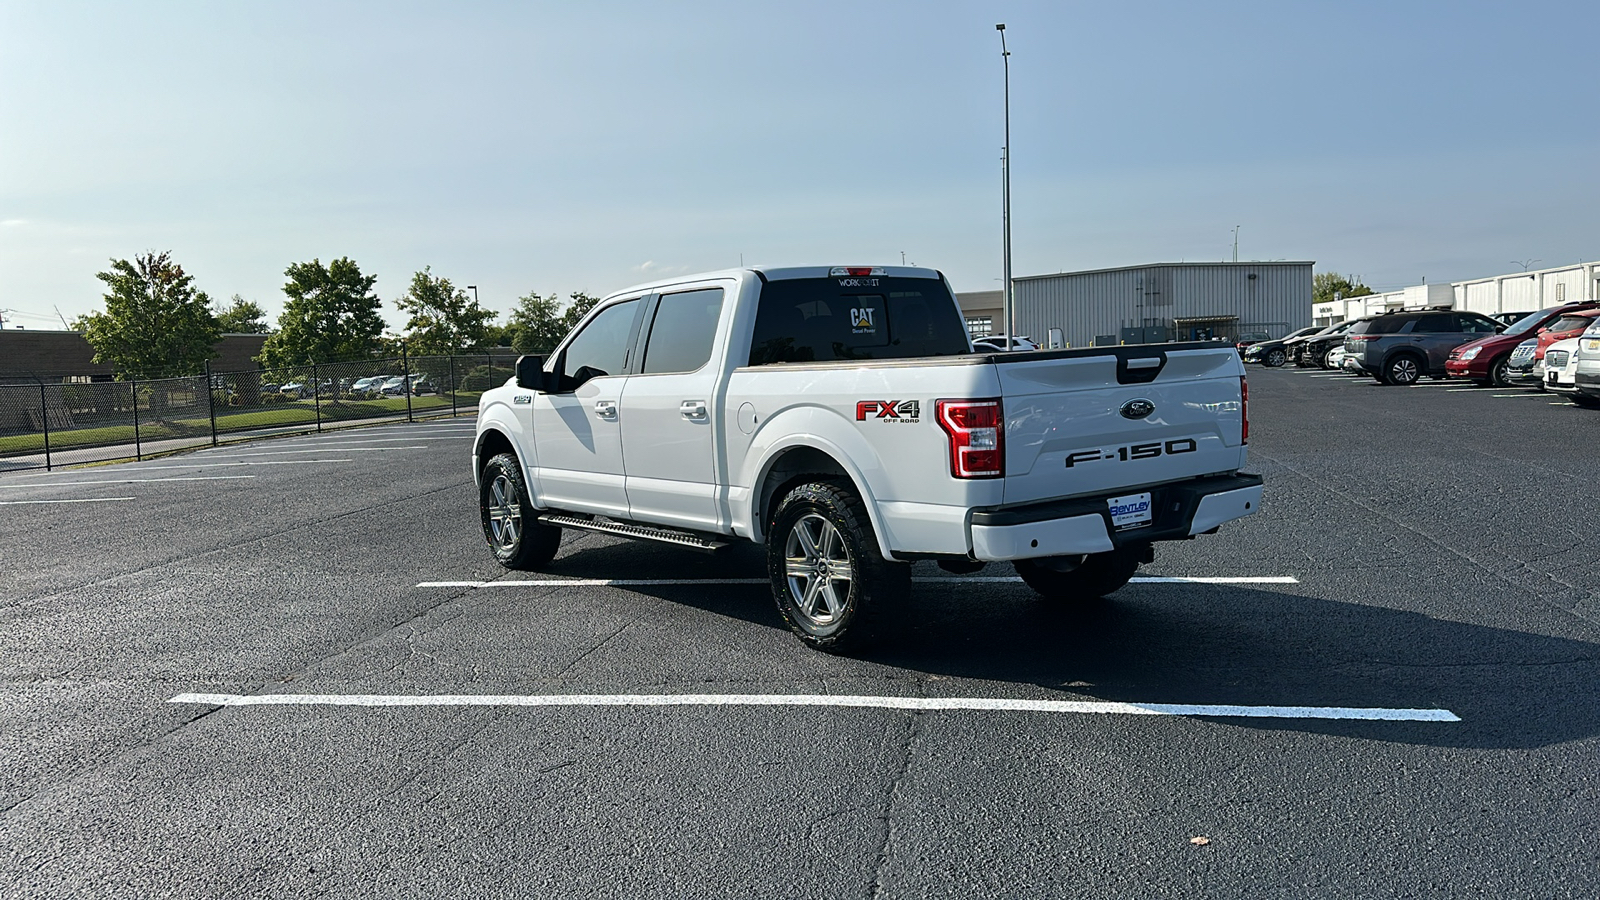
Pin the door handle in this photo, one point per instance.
(605, 409)
(693, 410)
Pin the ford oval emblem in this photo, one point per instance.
(1137, 409)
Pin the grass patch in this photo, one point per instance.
(300, 412)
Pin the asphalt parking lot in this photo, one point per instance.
(1421, 550)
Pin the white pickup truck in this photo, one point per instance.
(839, 416)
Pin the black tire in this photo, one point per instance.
(1403, 369)
(1274, 358)
(819, 538)
(518, 542)
(1090, 576)
(1500, 372)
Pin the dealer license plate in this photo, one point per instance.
(1131, 511)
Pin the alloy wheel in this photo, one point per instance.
(819, 569)
(505, 512)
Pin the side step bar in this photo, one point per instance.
(640, 532)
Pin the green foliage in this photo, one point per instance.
(444, 318)
(1325, 284)
(155, 325)
(243, 317)
(539, 323)
(332, 314)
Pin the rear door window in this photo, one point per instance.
(682, 332)
(837, 318)
(1443, 323)
(1379, 325)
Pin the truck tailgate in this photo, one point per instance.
(1075, 424)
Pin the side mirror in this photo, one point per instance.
(530, 373)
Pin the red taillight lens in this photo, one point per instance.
(1244, 410)
(977, 437)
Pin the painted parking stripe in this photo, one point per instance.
(918, 704)
(38, 484)
(951, 579)
(1528, 394)
(213, 465)
(86, 500)
(341, 448)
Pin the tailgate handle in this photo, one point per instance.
(1141, 369)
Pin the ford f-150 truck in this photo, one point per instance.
(839, 416)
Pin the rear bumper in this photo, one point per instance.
(1083, 524)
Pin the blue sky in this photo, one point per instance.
(588, 146)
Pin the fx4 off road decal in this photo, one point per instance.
(896, 411)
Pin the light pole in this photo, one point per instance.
(1236, 243)
(1008, 312)
(474, 289)
(1525, 263)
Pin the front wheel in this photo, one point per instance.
(1500, 372)
(828, 576)
(1079, 577)
(1275, 358)
(507, 513)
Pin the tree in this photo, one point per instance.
(332, 314)
(539, 323)
(242, 317)
(1325, 284)
(155, 325)
(444, 319)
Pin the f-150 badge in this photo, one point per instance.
(890, 410)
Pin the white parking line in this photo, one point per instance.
(919, 704)
(1530, 394)
(125, 481)
(88, 500)
(213, 465)
(961, 579)
(322, 450)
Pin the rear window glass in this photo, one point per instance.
(680, 337)
(824, 319)
(1571, 323)
(1380, 325)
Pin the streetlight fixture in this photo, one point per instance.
(1525, 263)
(1008, 312)
(474, 289)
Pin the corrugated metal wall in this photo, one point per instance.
(1086, 304)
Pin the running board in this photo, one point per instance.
(639, 532)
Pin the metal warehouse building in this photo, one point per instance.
(1163, 302)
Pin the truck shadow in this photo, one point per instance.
(1190, 644)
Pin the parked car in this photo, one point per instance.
(294, 389)
(1519, 366)
(1561, 367)
(1586, 371)
(998, 343)
(1487, 360)
(1273, 354)
(370, 383)
(1334, 359)
(1311, 351)
(1511, 318)
(1248, 338)
(1402, 346)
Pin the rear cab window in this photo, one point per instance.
(847, 317)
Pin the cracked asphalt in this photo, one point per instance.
(1444, 541)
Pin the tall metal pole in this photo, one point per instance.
(1009, 311)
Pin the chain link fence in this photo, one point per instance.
(44, 425)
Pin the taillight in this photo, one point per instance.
(1363, 337)
(1244, 410)
(977, 437)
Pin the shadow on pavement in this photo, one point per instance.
(1192, 643)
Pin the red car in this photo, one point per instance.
(1484, 360)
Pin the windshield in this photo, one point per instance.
(1571, 323)
(1530, 322)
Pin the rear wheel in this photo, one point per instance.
(828, 577)
(1084, 577)
(517, 540)
(1403, 370)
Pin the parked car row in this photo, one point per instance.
(1555, 349)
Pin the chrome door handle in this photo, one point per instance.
(605, 409)
(694, 410)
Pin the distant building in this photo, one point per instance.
(1154, 303)
(1511, 292)
(29, 355)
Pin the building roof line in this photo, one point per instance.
(1174, 265)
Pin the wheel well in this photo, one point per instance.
(793, 466)
(492, 444)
